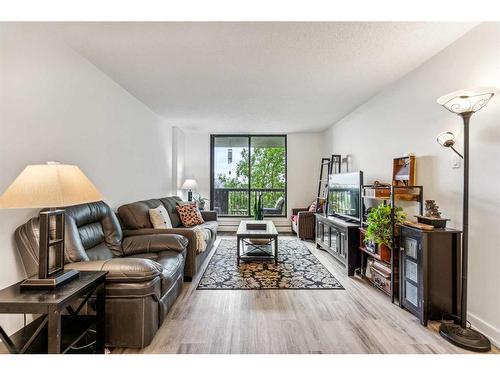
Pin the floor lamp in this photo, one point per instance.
(464, 103)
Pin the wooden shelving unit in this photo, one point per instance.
(387, 195)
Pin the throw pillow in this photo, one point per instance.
(190, 214)
(312, 207)
(159, 218)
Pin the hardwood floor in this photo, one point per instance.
(358, 319)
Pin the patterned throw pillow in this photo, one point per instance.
(159, 218)
(312, 207)
(190, 214)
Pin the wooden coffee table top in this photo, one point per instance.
(270, 230)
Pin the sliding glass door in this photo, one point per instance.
(245, 166)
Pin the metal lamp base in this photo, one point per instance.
(52, 282)
(466, 338)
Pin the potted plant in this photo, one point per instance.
(258, 207)
(379, 227)
(200, 201)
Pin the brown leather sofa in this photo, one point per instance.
(135, 221)
(145, 273)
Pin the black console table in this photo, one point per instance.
(340, 239)
(54, 332)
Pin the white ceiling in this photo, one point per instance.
(262, 77)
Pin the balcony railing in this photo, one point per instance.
(238, 201)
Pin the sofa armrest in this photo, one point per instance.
(295, 211)
(122, 270)
(306, 223)
(153, 243)
(186, 232)
(305, 215)
(209, 215)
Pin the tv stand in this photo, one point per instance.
(340, 239)
(344, 219)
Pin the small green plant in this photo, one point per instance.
(258, 207)
(379, 224)
(200, 201)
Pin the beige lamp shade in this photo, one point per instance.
(49, 185)
(189, 184)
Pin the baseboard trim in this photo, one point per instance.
(228, 224)
(234, 228)
(485, 328)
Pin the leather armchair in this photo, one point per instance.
(145, 273)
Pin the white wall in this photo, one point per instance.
(178, 151)
(197, 160)
(55, 105)
(405, 118)
(304, 156)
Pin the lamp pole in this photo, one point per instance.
(465, 221)
(465, 103)
(461, 335)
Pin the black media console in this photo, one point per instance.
(339, 238)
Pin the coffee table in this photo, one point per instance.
(255, 243)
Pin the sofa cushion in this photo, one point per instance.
(159, 217)
(211, 226)
(124, 270)
(91, 234)
(87, 227)
(294, 218)
(172, 263)
(170, 204)
(136, 215)
(173, 267)
(190, 214)
(153, 243)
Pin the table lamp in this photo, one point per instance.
(190, 185)
(50, 185)
(464, 103)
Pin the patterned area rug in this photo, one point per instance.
(297, 268)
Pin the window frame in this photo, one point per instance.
(249, 137)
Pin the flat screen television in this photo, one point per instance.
(344, 191)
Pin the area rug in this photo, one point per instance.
(297, 268)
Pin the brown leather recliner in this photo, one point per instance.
(135, 221)
(145, 273)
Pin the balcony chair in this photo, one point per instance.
(277, 209)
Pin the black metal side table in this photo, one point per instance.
(61, 325)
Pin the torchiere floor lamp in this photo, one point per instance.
(464, 103)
